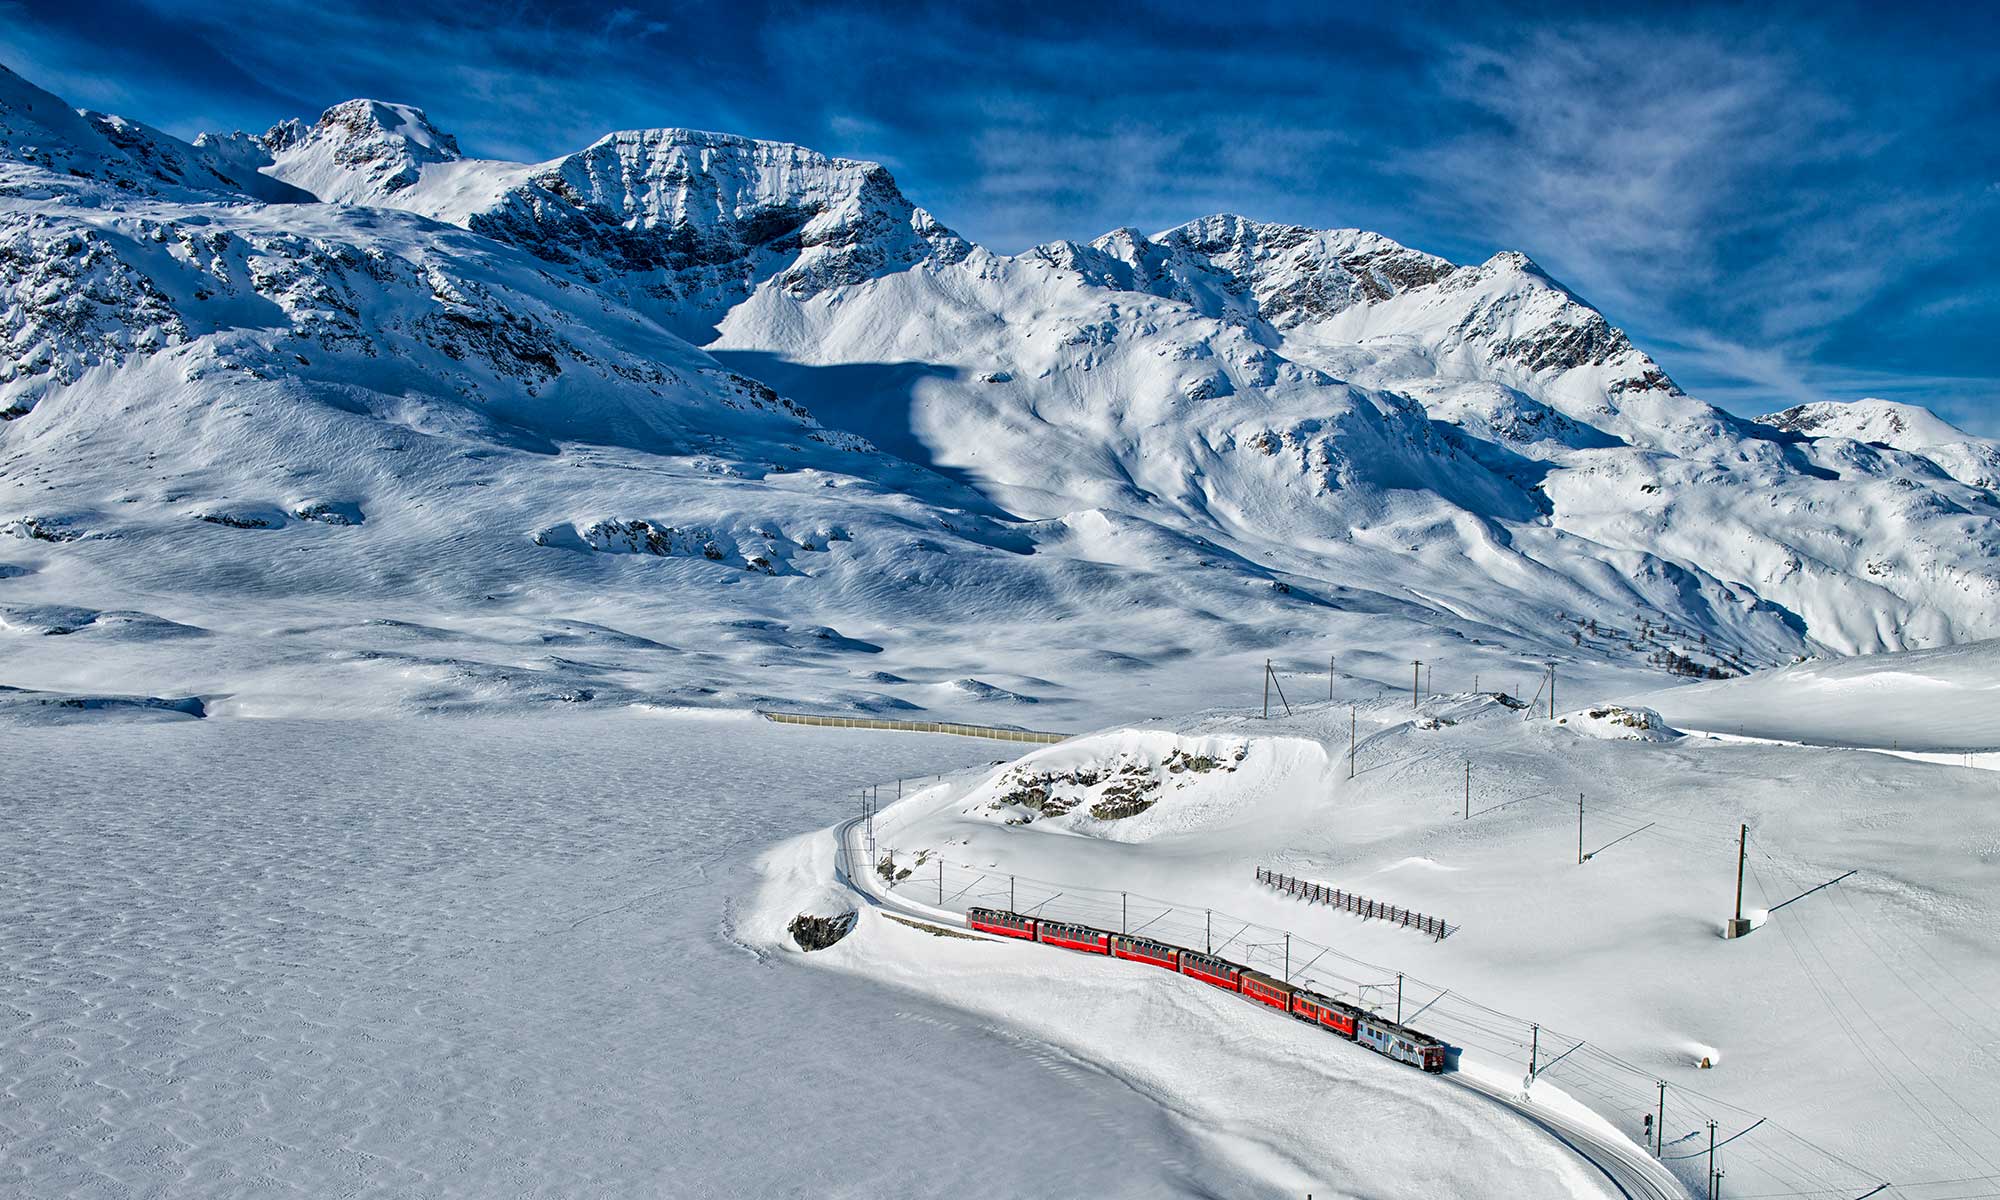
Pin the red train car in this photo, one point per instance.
(1146, 950)
(1265, 990)
(1210, 969)
(1325, 1011)
(1073, 937)
(1006, 924)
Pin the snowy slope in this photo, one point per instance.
(1944, 701)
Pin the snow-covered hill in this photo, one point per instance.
(1966, 457)
(341, 367)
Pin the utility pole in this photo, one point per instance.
(1267, 689)
(1737, 925)
(1711, 1161)
(1121, 912)
(868, 817)
(1579, 829)
(1427, 681)
(1351, 719)
(1468, 789)
(1416, 673)
(1399, 997)
(1475, 683)
(1552, 691)
(940, 881)
(1288, 958)
(1207, 931)
(1010, 894)
(1660, 1129)
(1534, 1051)
(1329, 677)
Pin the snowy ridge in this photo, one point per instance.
(1965, 457)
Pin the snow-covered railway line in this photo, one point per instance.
(1635, 1176)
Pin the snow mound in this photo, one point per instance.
(23, 706)
(1128, 785)
(979, 689)
(1621, 722)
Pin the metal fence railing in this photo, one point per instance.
(995, 732)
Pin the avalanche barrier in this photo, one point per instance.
(1361, 906)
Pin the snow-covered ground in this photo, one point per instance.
(1944, 701)
(1856, 1022)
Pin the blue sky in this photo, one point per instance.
(1780, 205)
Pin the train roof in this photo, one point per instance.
(1214, 959)
(1402, 1031)
(1272, 980)
(1328, 1001)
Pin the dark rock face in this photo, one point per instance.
(697, 220)
(817, 933)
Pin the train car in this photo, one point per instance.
(1402, 1044)
(1146, 950)
(1006, 924)
(1073, 937)
(1265, 990)
(1210, 969)
(1325, 1012)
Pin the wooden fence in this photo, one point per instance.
(1361, 906)
(978, 731)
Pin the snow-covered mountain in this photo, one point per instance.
(1967, 457)
(706, 391)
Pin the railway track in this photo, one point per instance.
(1635, 1175)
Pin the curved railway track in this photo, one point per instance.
(1635, 1175)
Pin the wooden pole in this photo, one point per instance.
(1579, 829)
(1468, 790)
(1416, 673)
(1267, 689)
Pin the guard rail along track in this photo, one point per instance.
(994, 732)
(1361, 906)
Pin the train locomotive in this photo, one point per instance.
(1357, 1025)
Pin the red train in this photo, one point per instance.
(1399, 1042)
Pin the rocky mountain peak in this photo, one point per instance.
(358, 151)
(693, 222)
